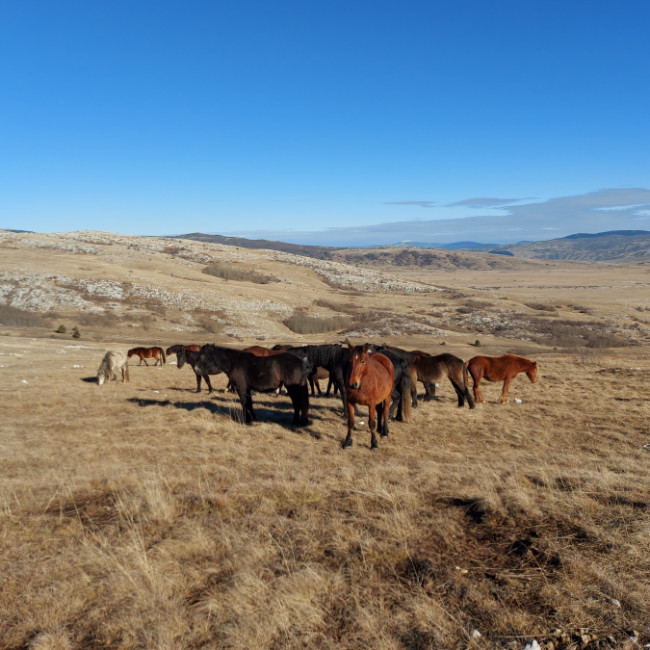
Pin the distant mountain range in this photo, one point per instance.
(610, 246)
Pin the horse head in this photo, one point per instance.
(358, 365)
(180, 357)
(532, 372)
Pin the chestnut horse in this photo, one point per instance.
(369, 381)
(504, 368)
(148, 353)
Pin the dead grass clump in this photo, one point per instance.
(540, 306)
(302, 323)
(571, 334)
(14, 317)
(238, 273)
(210, 323)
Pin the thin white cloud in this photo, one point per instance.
(608, 209)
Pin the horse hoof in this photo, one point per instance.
(346, 443)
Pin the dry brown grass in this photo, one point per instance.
(143, 515)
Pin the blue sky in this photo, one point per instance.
(326, 122)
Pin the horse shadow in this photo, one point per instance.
(233, 411)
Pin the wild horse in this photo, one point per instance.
(315, 374)
(430, 368)
(111, 363)
(370, 382)
(401, 400)
(333, 357)
(156, 353)
(190, 354)
(504, 368)
(248, 372)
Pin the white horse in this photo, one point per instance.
(111, 363)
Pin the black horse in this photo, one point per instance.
(186, 354)
(248, 372)
(334, 358)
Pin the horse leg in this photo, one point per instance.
(504, 391)
(478, 397)
(247, 405)
(198, 381)
(414, 387)
(304, 405)
(396, 405)
(207, 382)
(373, 411)
(382, 418)
(459, 392)
(348, 440)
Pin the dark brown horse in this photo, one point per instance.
(430, 369)
(189, 354)
(173, 349)
(504, 368)
(370, 382)
(148, 353)
(248, 373)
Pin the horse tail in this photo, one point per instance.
(162, 353)
(126, 372)
(468, 395)
(406, 397)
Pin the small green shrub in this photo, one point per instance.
(62, 329)
(76, 334)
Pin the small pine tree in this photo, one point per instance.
(76, 333)
(62, 329)
(477, 344)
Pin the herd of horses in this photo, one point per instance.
(382, 377)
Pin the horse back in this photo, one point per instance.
(498, 368)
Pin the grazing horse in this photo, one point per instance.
(429, 369)
(504, 368)
(148, 353)
(248, 372)
(190, 354)
(370, 381)
(111, 363)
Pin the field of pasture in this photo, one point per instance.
(145, 515)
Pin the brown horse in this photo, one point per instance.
(369, 381)
(430, 368)
(148, 353)
(504, 368)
